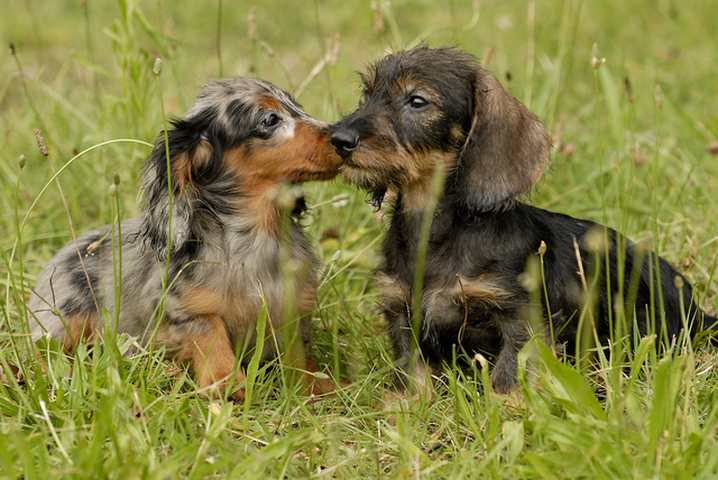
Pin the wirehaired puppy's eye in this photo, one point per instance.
(417, 102)
(270, 121)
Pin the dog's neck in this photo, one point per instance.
(267, 212)
(411, 217)
(415, 199)
(435, 179)
(449, 212)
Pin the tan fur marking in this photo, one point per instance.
(391, 290)
(407, 83)
(269, 103)
(416, 195)
(383, 156)
(456, 132)
(182, 166)
(79, 327)
(237, 311)
(308, 155)
(200, 301)
(404, 84)
(211, 356)
(186, 163)
(316, 386)
(422, 376)
(485, 288)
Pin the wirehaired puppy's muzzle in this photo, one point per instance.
(425, 109)
(345, 140)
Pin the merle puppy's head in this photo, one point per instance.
(426, 108)
(238, 143)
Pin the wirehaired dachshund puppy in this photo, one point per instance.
(199, 264)
(425, 109)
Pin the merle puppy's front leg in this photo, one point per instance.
(317, 385)
(514, 336)
(205, 344)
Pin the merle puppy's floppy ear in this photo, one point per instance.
(507, 148)
(191, 153)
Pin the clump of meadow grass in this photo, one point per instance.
(624, 89)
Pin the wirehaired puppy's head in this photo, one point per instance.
(238, 143)
(426, 108)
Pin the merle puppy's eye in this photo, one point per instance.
(418, 102)
(271, 120)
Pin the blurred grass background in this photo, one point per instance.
(633, 138)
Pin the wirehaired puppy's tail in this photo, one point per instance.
(710, 326)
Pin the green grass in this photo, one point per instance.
(631, 137)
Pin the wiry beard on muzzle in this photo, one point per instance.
(371, 181)
(375, 168)
(377, 198)
(363, 178)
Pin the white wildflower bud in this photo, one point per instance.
(481, 360)
(595, 240)
(596, 59)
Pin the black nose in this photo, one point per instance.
(345, 140)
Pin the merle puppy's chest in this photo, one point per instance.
(241, 271)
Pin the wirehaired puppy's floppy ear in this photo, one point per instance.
(506, 151)
(191, 155)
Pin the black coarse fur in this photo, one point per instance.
(483, 233)
(501, 243)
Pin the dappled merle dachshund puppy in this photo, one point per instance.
(424, 109)
(231, 247)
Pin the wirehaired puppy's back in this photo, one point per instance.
(204, 256)
(426, 109)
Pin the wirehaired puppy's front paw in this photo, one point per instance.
(505, 371)
(410, 387)
(503, 382)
